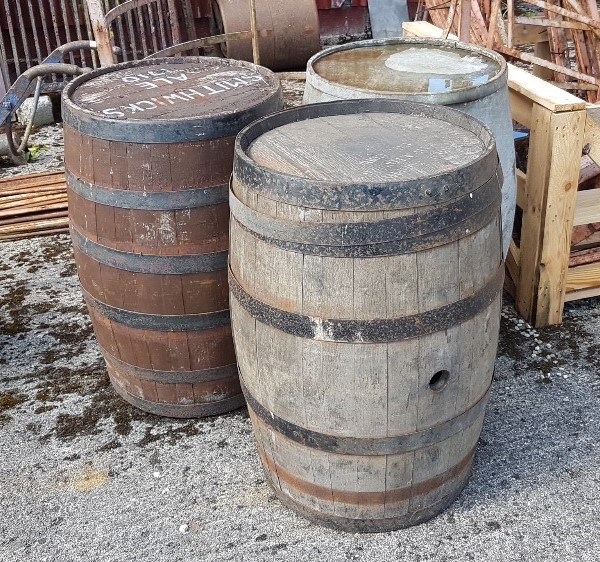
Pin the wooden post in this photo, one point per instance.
(101, 32)
(465, 21)
(555, 144)
(253, 29)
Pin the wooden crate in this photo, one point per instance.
(562, 127)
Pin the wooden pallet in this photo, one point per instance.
(33, 205)
(541, 275)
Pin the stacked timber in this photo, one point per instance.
(566, 35)
(33, 205)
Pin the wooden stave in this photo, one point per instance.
(323, 514)
(190, 392)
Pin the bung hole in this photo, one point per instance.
(439, 380)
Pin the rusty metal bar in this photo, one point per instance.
(161, 25)
(15, 51)
(122, 39)
(174, 20)
(78, 29)
(65, 16)
(152, 20)
(42, 13)
(36, 38)
(140, 15)
(4, 48)
(28, 61)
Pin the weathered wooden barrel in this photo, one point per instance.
(365, 277)
(148, 154)
(465, 77)
(288, 32)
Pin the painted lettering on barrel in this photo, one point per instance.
(203, 87)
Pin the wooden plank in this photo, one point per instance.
(592, 133)
(583, 277)
(582, 257)
(557, 67)
(534, 208)
(587, 207)
(528, 33)
(101, 32)
(582, 294)
(520, 107)
(512, 261)
(31, 181)
(521, 188)
(424, 29)
(542, 23)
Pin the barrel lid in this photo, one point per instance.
(170, 100)
(367, 147)
(372, 153)
(448, 71)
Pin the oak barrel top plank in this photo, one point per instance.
(374, 147)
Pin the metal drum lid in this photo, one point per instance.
(408, 66)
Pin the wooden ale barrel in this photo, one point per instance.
(445, 72)
(288, 32)
(365, 277)
(148, 153)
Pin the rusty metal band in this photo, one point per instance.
(158, 322)
(174, 377)
(370, 331)
(148, 263)
(327, 195)
(276, 475)
(387, 497)
(203, 409)
(440, 225)
(369, 446)
(147, 200)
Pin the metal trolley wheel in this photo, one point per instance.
(23, 86)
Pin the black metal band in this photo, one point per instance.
(440, 225)
(366, 445)
(329, 195)
(402, 246)
(147, 200)
(370, 331)
(190, 129)
(157, 322)
(153, 264)
(172, 377)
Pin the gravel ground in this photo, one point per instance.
(86, 477)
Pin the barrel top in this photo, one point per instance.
(173, 99)
(408, 66)
(367, 147)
